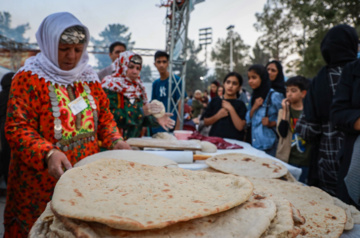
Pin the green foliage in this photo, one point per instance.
(111, 33)
(17, 33)
(260, 56)
(305, 22)
(275, 23)
(221, 56)
(145, 73)
(194, 69)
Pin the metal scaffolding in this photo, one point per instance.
(177, 21)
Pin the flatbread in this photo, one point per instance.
(131, 196)
(283, 223)
(323, 218)
(162, 112)
(248, 220)
(129, 155)
(246, 165)
(164, 136)
(208, 147)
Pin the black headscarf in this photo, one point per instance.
(264, 88)
(279, 83)
(338, 47)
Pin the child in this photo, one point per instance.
(262, 110)
(227, 114)
(197, 104)
(160, 88)
(292, 148)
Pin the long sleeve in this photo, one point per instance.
(345, 109)
(107, 130)
(21, 127)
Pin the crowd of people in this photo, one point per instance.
(58, 110)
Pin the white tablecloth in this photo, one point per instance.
(248, 149)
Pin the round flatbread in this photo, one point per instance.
(248, 220)
(132, 196)
(129, 155)
(317, 207)
(208, 147)
(162, 112)
(246, 165)
(164, 136)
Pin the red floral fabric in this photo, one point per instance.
(30, 133)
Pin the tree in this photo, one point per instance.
(260, 56)
(194, 69)
(220, 54)
(145, 74)
(276, 24)
(111, 33)
(17, 33)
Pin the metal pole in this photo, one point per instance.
(231, 51)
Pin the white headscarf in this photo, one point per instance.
(45, 64)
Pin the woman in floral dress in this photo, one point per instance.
(128, 99)
(57, 112)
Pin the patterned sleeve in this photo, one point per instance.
(24, 108)
(309, 131)
(108, 132)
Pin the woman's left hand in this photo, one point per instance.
(166, 122)
(121, 145)
(265, 121)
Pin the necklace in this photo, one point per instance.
(70, 143)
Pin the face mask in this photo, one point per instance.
(358, 56)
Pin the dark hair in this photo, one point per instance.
(259, 70)
(160, 53)
(114, 44)
(298, 81)
(238, 76)
(216, 83)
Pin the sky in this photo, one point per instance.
(145, 19)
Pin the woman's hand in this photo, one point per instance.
(222, 113)
(121, 145)
(56, 162)
(151, 108)
(166, 122)
(227, 105)
(265, 121)
(258, 102)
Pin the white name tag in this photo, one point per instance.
(77, 105)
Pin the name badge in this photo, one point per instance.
(77, 105)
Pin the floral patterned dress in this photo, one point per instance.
(129, 116)
(38, 120)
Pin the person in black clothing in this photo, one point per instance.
(5, 148)
(345, 112)
(338, 48)
(227, 114)
(276, 76)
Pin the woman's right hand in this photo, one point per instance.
(222, 113)
(56, 163)
(258, 102)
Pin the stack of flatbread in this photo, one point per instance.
(118, 198)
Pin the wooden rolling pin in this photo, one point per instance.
(201, 157)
